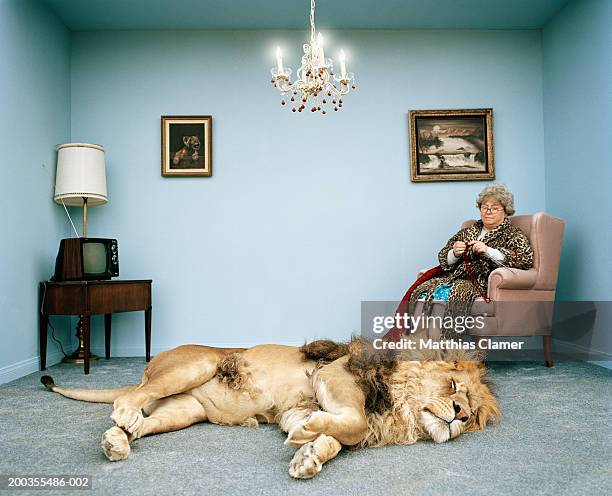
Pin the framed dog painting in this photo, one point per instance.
(186, 146)
(451, 145)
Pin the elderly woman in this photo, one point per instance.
(469, 256)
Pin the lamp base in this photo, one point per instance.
(78, 355)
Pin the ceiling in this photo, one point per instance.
(92, 15)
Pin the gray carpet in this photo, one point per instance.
(555, 438)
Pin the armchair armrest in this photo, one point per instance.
(421, 272)
(507, 278)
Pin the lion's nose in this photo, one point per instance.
(459, 413)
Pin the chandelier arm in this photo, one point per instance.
(283, 85)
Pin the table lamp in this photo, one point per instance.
(80, 179)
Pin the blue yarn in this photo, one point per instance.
(441, 293)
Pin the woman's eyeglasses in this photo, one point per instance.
(493, 210)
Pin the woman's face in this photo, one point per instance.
(492, 212)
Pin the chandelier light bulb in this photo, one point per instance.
(315, 80)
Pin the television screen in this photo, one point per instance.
(94, 258)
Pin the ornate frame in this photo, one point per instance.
(166, 122)
(418, 176)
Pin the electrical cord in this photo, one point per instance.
(55, 339)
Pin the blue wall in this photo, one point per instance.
(306, 215)
(35, 110)
(578, 124)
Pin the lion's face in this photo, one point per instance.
(455, 399)
(191, 142)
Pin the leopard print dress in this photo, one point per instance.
(469, 280)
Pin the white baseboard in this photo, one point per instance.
(24, 367)
(130, 351)
(573, 348)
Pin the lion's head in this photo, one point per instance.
(191, 142)
(453, 398)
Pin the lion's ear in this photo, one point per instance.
(467, 365)
(487, 411)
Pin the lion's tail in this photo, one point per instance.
(90, 395)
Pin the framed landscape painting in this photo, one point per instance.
(186, 145)
(451, 145)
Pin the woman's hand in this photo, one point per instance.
(478, 246)
(459, 248)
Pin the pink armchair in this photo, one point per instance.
(522, 300)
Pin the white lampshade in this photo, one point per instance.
(80, 174)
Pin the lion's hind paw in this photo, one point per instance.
(115, 445)
(305, 463)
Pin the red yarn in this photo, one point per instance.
(470, 273)
(395, 334)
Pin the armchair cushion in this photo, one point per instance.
(506, 278)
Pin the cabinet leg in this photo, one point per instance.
(548, 350)
(107, 334)
(148, 334)
(43, 323)
(86, 341)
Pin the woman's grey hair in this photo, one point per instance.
(501, 194)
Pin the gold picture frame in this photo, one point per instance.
(186, 146)
(451, 145)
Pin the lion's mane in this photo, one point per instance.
(391, 384)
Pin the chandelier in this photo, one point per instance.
(317, 86)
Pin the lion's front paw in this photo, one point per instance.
(115, 444)
(437, 429)
(305, 463)
(128, 419)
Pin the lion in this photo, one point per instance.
(188, 153)
(324, 395)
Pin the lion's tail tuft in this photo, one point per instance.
(47, 381)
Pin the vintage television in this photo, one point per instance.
(86, 259)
